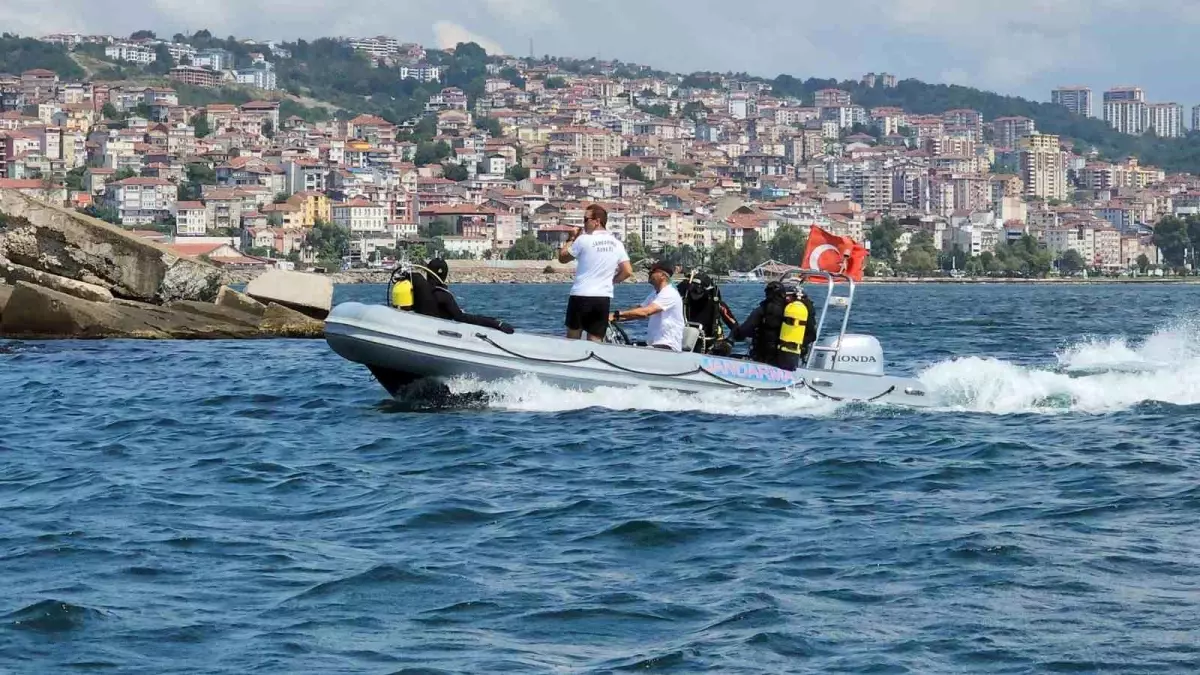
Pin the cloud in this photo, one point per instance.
(1018, 46)
(447, 34)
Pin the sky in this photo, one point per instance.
(1022, 47)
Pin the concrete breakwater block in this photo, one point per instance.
(311, 294)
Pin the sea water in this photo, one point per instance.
(263, 506)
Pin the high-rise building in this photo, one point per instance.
(1043, 167)
(1076, 99)
(1166, 119)
(1010, 130)
(1196, 118)
(964, 117)
(1125, 109)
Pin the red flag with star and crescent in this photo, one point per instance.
(830, 253)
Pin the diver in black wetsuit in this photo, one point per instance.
(702, 304)
(435, 299)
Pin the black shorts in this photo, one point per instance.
(588, 314)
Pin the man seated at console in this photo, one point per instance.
(663, 308)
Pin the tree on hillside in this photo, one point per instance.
(109, 111)
(752, 253)
(329, 240)
(124, 173)
(455, 172)
(555, 83)
(490, 125)
(529, 248)
(884, 237)
(1071, 263)
(163, 61)
(199, 122)
(143, 35)
(634, 246)
(74, 178)
(695, 111)
(721, 259)
(516, 172)
(788, 245)
(1143, 263)
(633, 172)
(513, 77)
(1171, 237)
(431, 153)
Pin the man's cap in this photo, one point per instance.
(663, 266)
(791, 287)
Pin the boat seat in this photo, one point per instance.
(691, 336)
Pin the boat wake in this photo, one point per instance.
(1093, 376)
(528, 394)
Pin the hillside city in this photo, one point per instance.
(715, 170)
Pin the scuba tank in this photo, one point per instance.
(400, 288)
(795, 323)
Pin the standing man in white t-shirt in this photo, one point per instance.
(602, 262)
(664, 308)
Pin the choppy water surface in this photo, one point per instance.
(262, 506)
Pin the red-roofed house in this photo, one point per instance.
(36, 188)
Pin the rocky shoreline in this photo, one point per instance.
(66, 275)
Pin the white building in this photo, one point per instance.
(179, 51)
(475, 247)
(259, 77)
(1076, 99)
(191, 219)
(361, 218)
(213, 59)
(1166, 119)
(125, 51)
(140, 201)
(1125, 109)
(377, 47)
(422, 72)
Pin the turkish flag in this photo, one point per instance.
(831, 253)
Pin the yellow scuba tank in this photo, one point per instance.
(791, 333)
(402, 294)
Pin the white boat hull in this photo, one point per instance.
(400, 347)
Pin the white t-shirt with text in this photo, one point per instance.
(597, 256)
(666, 327)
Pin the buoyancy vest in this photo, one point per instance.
(423, 300)
(765, 346)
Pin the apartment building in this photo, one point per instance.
(1076, 99)
(140, 201)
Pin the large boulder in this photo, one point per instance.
(6, 292)
(37, 312)
(311, 294)
(241, 302)
(282, 321)
(12, 273)
(69, 244)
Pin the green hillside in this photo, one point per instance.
(18, 54)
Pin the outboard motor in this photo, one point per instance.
(858, 354)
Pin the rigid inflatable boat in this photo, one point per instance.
(402, 347)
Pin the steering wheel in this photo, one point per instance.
(616, 335)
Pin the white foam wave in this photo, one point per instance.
(527, 393)
(1093, 376)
